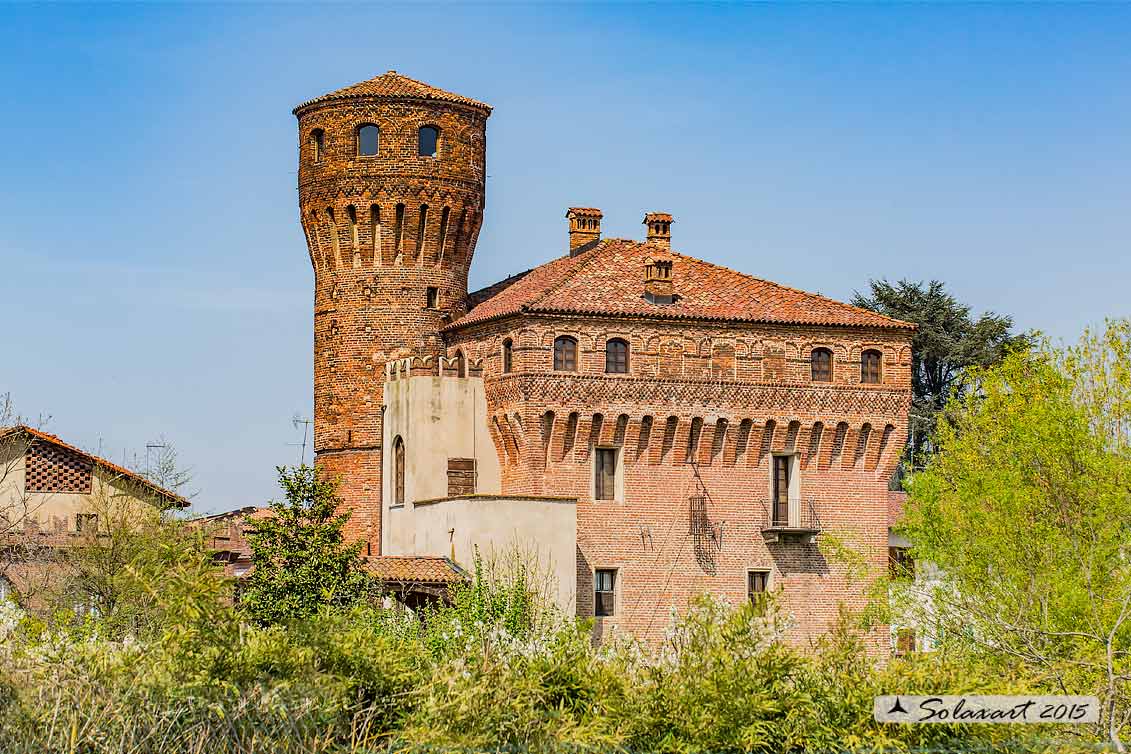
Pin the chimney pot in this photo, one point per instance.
(659, 228)
(658, 284)
(584, 228)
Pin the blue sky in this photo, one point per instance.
(156, 276)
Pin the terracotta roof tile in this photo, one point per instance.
(114, 468)
(416, 569)
(393, 85)
(608, 280)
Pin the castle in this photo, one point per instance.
(653, 425)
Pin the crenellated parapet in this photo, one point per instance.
(432, 366)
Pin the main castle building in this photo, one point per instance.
(651, 425)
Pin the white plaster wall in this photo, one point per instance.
(542, 530)
(437, 418)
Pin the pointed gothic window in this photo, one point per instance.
(398, 471)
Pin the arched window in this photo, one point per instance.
(508, 356)
(461, 365)
(870, 367)
(318, 143)
(616, 356)
(821, 365)
(565, 354)
(428, 141)
(367, 140)
(398, 471)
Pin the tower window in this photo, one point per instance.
(461, 364)
(821, 365)
(870, 370)
(318, 142)
(427, 141)
(757, 583)
(565, 354)
(367, 140)
(616, 356)
(398, 471)
(605, 474)
(508, 356)
(433, 297)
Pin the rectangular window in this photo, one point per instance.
(904, 641)
(781, 490)
(461, 476)
(604, 588)
(432, 298)
(900, 564)
(606, 470)
(757, 584)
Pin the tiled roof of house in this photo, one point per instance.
(173, 498)
(414, 569)
(608, 280)
(393, 85)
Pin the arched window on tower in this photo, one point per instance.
(508, 356)
(616, 356)
(821, 365)
(870, 369)
(428, 141)
(368, 140)
(318, 143)
(398, 471)
(565, 354)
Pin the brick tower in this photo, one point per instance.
(391, 194)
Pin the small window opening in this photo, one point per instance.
(398, 471)
(508, 356)
(86, 522)
(428, 141)
(604, 588)
(433, 297)
(398, 229)
(367, 140)
(318, 142)
(606, 473)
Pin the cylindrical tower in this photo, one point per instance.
(391, 194)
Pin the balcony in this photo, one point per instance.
(797, 523)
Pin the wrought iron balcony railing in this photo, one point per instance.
(796, 521)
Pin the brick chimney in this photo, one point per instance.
(659, 228)
(584, 228)
(658, 280)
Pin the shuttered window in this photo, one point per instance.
(604, 597)
(757, 583)
(821, 362)
(606, 471)
(616, 356)
(781, 490)
(870, 367)
(565, 354)
(461, 476)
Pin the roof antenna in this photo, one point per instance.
(296, 420)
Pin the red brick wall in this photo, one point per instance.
(370, 289)
(752, 377)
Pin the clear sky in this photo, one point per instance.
(156, 278)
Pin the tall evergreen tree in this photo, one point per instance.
(949, 340)
(300, 560)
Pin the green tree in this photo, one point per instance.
(1026, 509)
(300, 560)
(949, 340)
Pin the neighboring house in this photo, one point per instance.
(649, 425)
(54, 495)
(914, 583)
